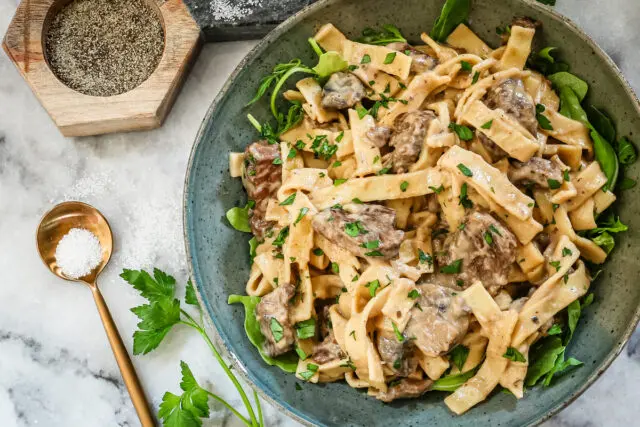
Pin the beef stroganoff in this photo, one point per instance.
(423, 215)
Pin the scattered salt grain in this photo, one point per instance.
(232, 10)
(78, 253)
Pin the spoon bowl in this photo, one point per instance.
(53, 226)
(56, 223)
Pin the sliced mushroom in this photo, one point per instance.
(410, 131)
(536, 171)
(343, 90)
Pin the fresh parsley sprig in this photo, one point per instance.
(161, 313)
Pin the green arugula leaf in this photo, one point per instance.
(514, 355)
(454, 13)
(287, 362)
(388, 34)
(239, 218)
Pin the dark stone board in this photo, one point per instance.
(223, 20)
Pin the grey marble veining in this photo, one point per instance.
(56, 368)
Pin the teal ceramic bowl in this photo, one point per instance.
(219, 258)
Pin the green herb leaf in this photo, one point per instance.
(388, 34)
(190, 296)
(339, 181)
(413, 294)
(475, 78)
(373, 287)
(389, 58)
(626, 151)
(458, 356)
(329, 63)
(555, 330)
(555, 264)
(356, 201)
(453, 268)
(566, 252)
(605, 241)
(187, 409)
(372, 244)
(437, 190)
(601, 123)
(239, 218)
(487, 125)
(277, 331)
(564, 79)
(424, 257)
(606, 157)
(542, 120)
(453, 382)
(365, 59)
(306, 329)
(542, 358)
(463, 132)
(287, 362)
(465, 66)
(488, 238)
(463, 199)
(454, 13)
(289, 200)
(514, 355)
(465, 170)
(303, 212)
(404, 185)
(318, 252)
(374, 254)
(159, 287)
(553, 184)
(383, 171)
(282, 236)
(399, 335)
(253, 245)
(354, 229)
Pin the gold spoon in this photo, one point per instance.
(53, 226)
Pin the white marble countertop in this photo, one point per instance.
(56, 368)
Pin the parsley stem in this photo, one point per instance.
(226, 368)
(229, 407)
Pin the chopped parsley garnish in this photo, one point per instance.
(458, 356)
(487, 125)
(277, 331)
(279, 241)
(306, 329)
(300, 145)
(353, 334)
(414, 294)
(335, 267)
(465, 170)
(318, 252)
(289, 200)
(403, 186)
(555, 330)
(488, 238)
(372, 244)
(354, 229)
(310, 372)
(376, 159)
(437, 190)
(565, 175)
(361, 111)
(460, 282)
(365, 59)
(339, 181)
(389, 58)
(553, 184)
(373, 287)
(356, 201)
(399, 335)
(566, 252)
(303, 212)
(542, 120)
(373, 253)
(465, 66)
(336, 164)
(453, 268)
(322, 148)
(476, 76)
(277, 161)
(387, 88)
(555, 264)
(494, 229)
(383, 171)
(348, 364)
(514, 355)
(402, 85)
(372, 82)
(462, 226)
(463, 132)
(464, 200)
(301, 354)
(340, 136)
(424, 257)
(353, 67)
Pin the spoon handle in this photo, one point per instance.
(124, 361)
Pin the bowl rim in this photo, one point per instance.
(265, 42)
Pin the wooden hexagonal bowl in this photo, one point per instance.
(76, 114)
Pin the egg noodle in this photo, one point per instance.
(447, 250)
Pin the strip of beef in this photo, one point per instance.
(398, 356)
(511, 97)
(379, 135)
(273, 315)
(410, 131)
(262, 179)
(536, 171)
(366, 230)
(439, 320)
(327, 350)
(406, 388)
(486, 249)
(421, 62)
(342, 90)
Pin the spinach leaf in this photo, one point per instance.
(626, 151)
(454, 13)
(606, 157)
(458, 355)
(601, 123)
(610, 224)
(566, 79)
(542, 358)
(452, 382)
(605, 241)
(287, 362)
(573, 315)
(570, 106)
(239, 218)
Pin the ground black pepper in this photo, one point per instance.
(104, 47)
